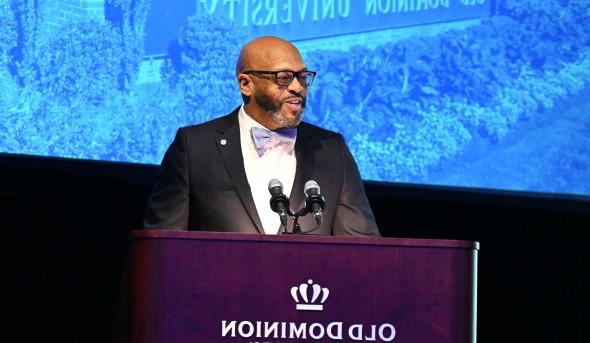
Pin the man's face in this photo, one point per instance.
(284, 108)
(283, 105)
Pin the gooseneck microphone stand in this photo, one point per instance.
(296, 229)
(280, 204)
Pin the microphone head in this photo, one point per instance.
(279, 202)
(275, 186)
(311, 188)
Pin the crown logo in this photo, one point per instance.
(301, 295)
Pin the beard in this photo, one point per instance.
(273, 109)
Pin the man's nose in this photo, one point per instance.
(296, 86)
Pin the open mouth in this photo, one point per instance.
(294, 101)
(294, 104)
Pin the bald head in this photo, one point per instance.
(266, 53)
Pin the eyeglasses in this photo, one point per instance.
(284, 78)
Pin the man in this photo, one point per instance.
(215, 175)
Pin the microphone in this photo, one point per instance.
(314, 202)
(279, 202)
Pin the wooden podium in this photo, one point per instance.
(181, 286)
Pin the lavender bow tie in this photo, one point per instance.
(267, 140)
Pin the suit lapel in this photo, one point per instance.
(228, 143)
(305, 152)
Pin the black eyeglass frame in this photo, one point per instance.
(294, 74)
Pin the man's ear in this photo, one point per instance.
(246, 84)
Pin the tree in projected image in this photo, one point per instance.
(201, 66)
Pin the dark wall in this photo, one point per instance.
(67, 223)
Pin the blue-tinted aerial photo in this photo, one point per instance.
(470, 93)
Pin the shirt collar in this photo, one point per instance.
(246, 122)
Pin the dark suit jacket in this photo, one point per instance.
(202, 183)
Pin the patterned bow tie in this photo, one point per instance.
(267, 140)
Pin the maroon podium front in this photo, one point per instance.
(181, 286)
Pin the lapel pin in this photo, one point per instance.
(223, 141)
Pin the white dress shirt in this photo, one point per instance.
(273, 164)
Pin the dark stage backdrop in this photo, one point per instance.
(66, 224)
